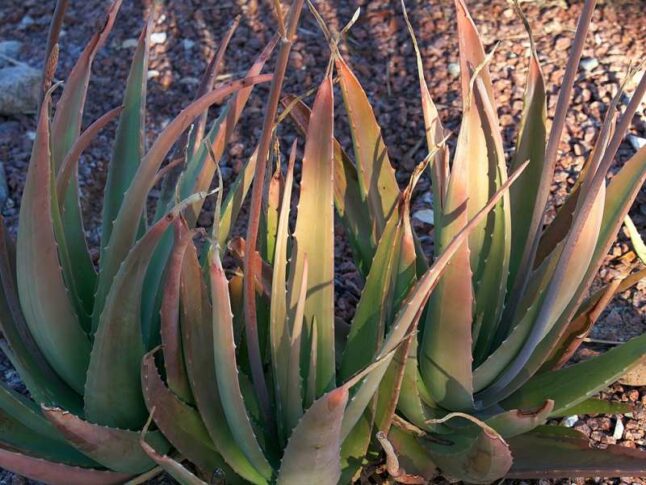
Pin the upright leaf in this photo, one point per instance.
(316, 203)
(44, 298)
(129, 142)
(376, 176)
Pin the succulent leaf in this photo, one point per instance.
(116, 449)
(57, 473)
(44, 297)
(555, 452)
(316, 203)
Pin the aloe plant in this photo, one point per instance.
(75, 332)
(486, 371)
(299, 419)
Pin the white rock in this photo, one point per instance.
(153, 73)
(188, 44)
(589, 64)
(619, 430)
(129, 44)
(427, 198)
(425, 215)
(454, 69)
(19, 89)
(158, 38)
(636, 142)
(31, 135)
(570, 421)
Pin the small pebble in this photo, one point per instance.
(158, 38)
(454, 69)
(425, 215)
(636, 142)
(570, 421)
(129, 44)
(589, 64)
(619, 430)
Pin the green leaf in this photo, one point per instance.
(66, 127)
(126, 225)
(412, 456)
(572, 385)
(202, 169)
(235, 198)
(169, 315)
(375, 174)
(56, 473)
(517, 421)
(348, 198)
(44, 384)
(312, 453)
(471, 453)
(179, 422)
(393, 268)
(197, 329)
(171, 466)
(44, 297)
(116, 449)
(226, 369)
(555, 452)
(530, 145)
(288, 394)
(119, 333)
(316, 203)
(129, 142)
(598, 406)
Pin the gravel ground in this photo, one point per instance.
(187, 33)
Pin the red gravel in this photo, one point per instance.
(380, 51)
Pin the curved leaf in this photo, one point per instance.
(226, 369)
(126, 225)
(312, 453)
(555, 452)
(179, 422)
(572, 385)
(116, 449)
(66, 127)
(517, 421)
(43, 383)
(169, 314)
(472, 454)
(119, 333)
(197, 329)
(56, 473)
(376, 175)
(44, 297)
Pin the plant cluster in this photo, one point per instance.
(453, 364)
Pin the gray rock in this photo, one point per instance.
(9, 48)
(19, 89)
(425, 215)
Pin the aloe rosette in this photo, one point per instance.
(486, 369)
(76, 333)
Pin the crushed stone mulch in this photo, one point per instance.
(187, 33)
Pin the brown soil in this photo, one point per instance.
(380, 51)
